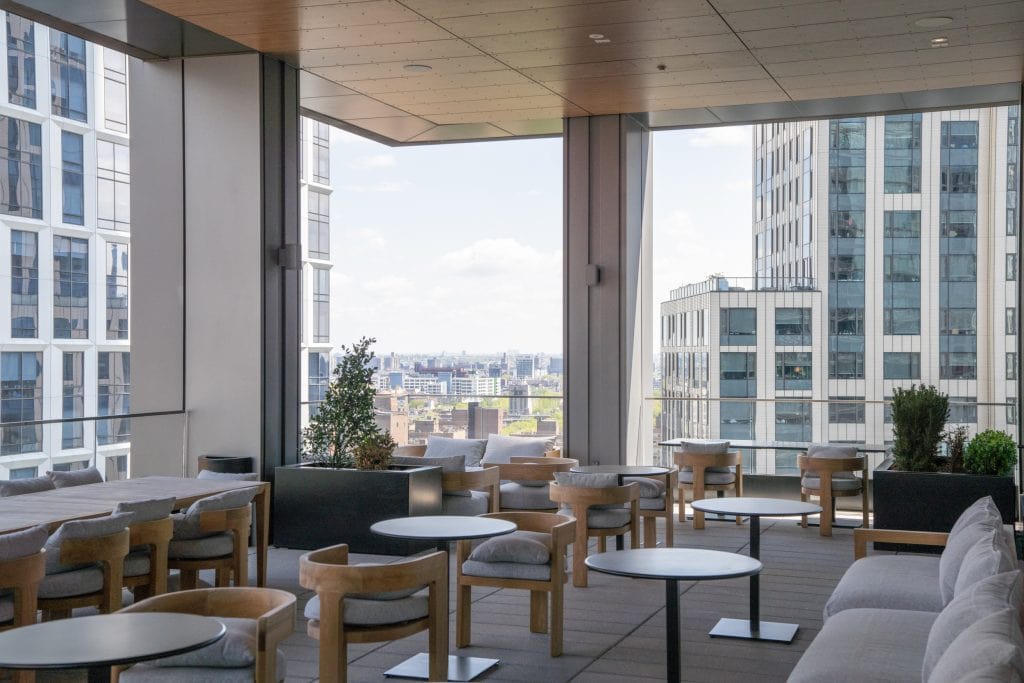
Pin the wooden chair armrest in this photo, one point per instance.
(332, 554)
(515, 471)
(110, 549)
(595, 496)
(23, 570)
(276, 624)
(223, 520)
(457, 481)
(562, 535)
(861, 537)
(410, 451)
(152, 532)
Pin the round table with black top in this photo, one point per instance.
(673, 565)
(623, 471)
(755, 508)
(443, 529)
(99, 642)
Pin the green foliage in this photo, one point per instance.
(990, 452)
(374, 452)
(918, 417)
(956, 441)
(345, 418)
(520, 427)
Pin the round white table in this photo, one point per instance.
(443, 529)
(98, 642)
(673, 565)
(755, 508)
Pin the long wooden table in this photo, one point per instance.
(53, 508)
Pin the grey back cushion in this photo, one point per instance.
(82, 528)
(147, 510)
(501, 448)
(990, 556)
(523, 547)
(591, 480)
(22, 543)
(953, 554)
(17, 487)
(451, 463)
(236, 648)
(90, 475)
(985, 597)
(704, 446)
(991, 649)
(228, 476)
(443, 447)
(828, 450)
(186, 526)
(981, 510)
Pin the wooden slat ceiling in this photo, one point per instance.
(502, 68)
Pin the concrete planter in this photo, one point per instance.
(315, 507)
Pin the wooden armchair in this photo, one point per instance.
(702, 472)
(273, 611)
(540, 579)
(225, 550)
(104, 557)
(526, 479)
(149, 542)
(487, 479)
(21, 574)
(593, 523)
(651, 508)
(342, 611)
(818, 477)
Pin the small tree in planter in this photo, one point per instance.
(918, 418)
(991, 452)
(344, 424)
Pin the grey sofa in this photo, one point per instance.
(923, 618)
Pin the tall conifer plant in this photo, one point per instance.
(919, 416)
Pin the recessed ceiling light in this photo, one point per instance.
(596, 36)
(603, 40)
(933, 22)
(417, 68)
(940, 42)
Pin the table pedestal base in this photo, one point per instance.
(769, 630)
(459, 668)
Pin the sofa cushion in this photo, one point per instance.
(867, 646)
(70, 583)
(186, 525)
(450, 463)
(649, 488)
(147, 510)
(476, 503)
(985, 597)
(82, 528)
(363, 612)
(89, 475)
(507, 570)
(518, 546)
(17, 487)
(704, 446)
(501, 448)
(988, 557)
(442, 447)
(902, 582)
(956, 548)
(991, 649)
(22, 543)
(589, 480)
(981, 510)
(228, 476)
(515, 496)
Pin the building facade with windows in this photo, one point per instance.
(66, 229)
(884, 256)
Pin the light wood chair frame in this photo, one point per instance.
(580, 499)
(235, 566)
(108, 552)
(155, 536)
(649, 518)
(563, 532)
(700, 462)
(272, 609)
(533, 468)
(412, 451)
(863, 536)
(487, 479)
(825, 468)
(328, 573)
(22, 575)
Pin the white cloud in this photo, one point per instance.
(503, 256)
(368, 237)
(716, 137)
(374, 161)
(382, 186)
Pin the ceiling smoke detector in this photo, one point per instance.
(940, 42)
(418, 68)
(933, 22)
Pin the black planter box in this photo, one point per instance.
(315, 507)
(932, 501)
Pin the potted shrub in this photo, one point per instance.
(919, 489)
(347, 482)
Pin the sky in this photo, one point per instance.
(452, 248)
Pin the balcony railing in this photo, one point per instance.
(721, 284)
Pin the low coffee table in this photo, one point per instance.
(755, 508)
(624, 471)
(673, 565)
(101, 641)
(443, 529)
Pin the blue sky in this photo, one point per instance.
(459, 247)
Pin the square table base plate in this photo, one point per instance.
(848, 522)
(740, 628)
(459, 668)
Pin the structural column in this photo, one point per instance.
(607, 290)
(215, 286)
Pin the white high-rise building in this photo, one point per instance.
(65, 228)
(884, 255)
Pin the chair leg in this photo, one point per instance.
(827, 506)
(333, 643)
(681, 496)
(864, 503)
(463, 615)
(538, 612)
(579, 551)
(602, 544)
(557, 617)
(803, 518)
(698, 494)
(241, 558)
(55, 614)
(189, 579)
(650, 535)
(437, 649)
(670, 532)
(222, 577)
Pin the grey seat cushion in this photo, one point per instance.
(712, 475)
(237, 648)
(867, 646)
(841, 481)
(186, 525)
(526, 547)
(136, 563)
(476, 503)
(653, 503)
(900, 582)
(501, 448)
(22, 543)
(649, 488)
(516, 496)
(956, 549)
(204, 548)
(362, 612)
(147, 510)
(228, 476)
(82, 528)
(17, 487)
(985, 597)
(992, 649)
(442, 447)
(70, 583)
(704, 446)
(507, 570)
(450, 463)
(89, 475)
(147, 673)
(599, 518)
